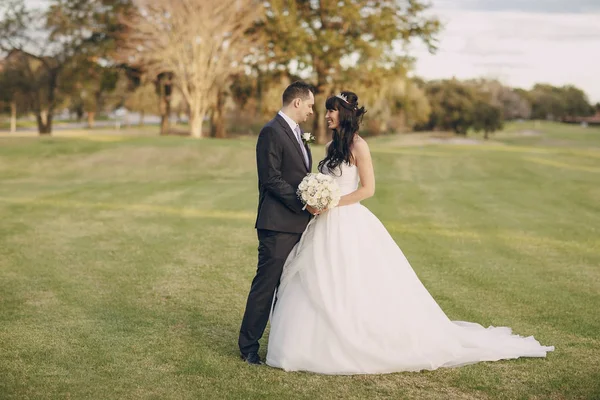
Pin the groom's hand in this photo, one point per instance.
(313, 211)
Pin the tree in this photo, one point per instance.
(486, 117)
(270, 101)
(39, 59)
(394, 101)
(179, 106)
(323, 39)
(242, 89)
(452, 105)
(15, 87)
(383, 90)
(555, 103)
(512, 103)
(164, 89)
(51, 41)
(198, 42)
(416, 106)
(143, 100)
(460, 106)
(547, 102)
(576, 102)
(217, 117)
(91, 88)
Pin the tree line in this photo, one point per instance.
(221, 64)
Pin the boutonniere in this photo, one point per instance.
(308, 138)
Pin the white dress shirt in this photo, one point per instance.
(296, 129)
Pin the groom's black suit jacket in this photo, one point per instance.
(281, 168)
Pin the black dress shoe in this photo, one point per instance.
(252, 359)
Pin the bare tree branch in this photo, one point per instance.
(200, 42)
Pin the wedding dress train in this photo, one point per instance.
(350, 303)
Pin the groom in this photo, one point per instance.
(283, 160)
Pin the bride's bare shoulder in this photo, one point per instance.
(360, 150)
(360, 145)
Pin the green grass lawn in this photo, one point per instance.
(32, 123)
(125, 263)
(5, 123)
(25, 123)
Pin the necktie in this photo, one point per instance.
(299, 138)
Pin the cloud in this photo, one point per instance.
(494, 65)
(518, 48)
(535, 6)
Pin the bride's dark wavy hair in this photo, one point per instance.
(350, 117)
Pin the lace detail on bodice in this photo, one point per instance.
(347, 180)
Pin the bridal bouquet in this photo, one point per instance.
(319, 191)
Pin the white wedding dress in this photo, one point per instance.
(350, 303)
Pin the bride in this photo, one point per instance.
(348, 300)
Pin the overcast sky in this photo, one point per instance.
(519, 42)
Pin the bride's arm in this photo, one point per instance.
(362, 158)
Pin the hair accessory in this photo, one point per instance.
(343, 97)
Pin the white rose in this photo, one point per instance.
(302, 185)
(325, 193)
(306, 136)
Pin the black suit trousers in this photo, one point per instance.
(273, 249)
